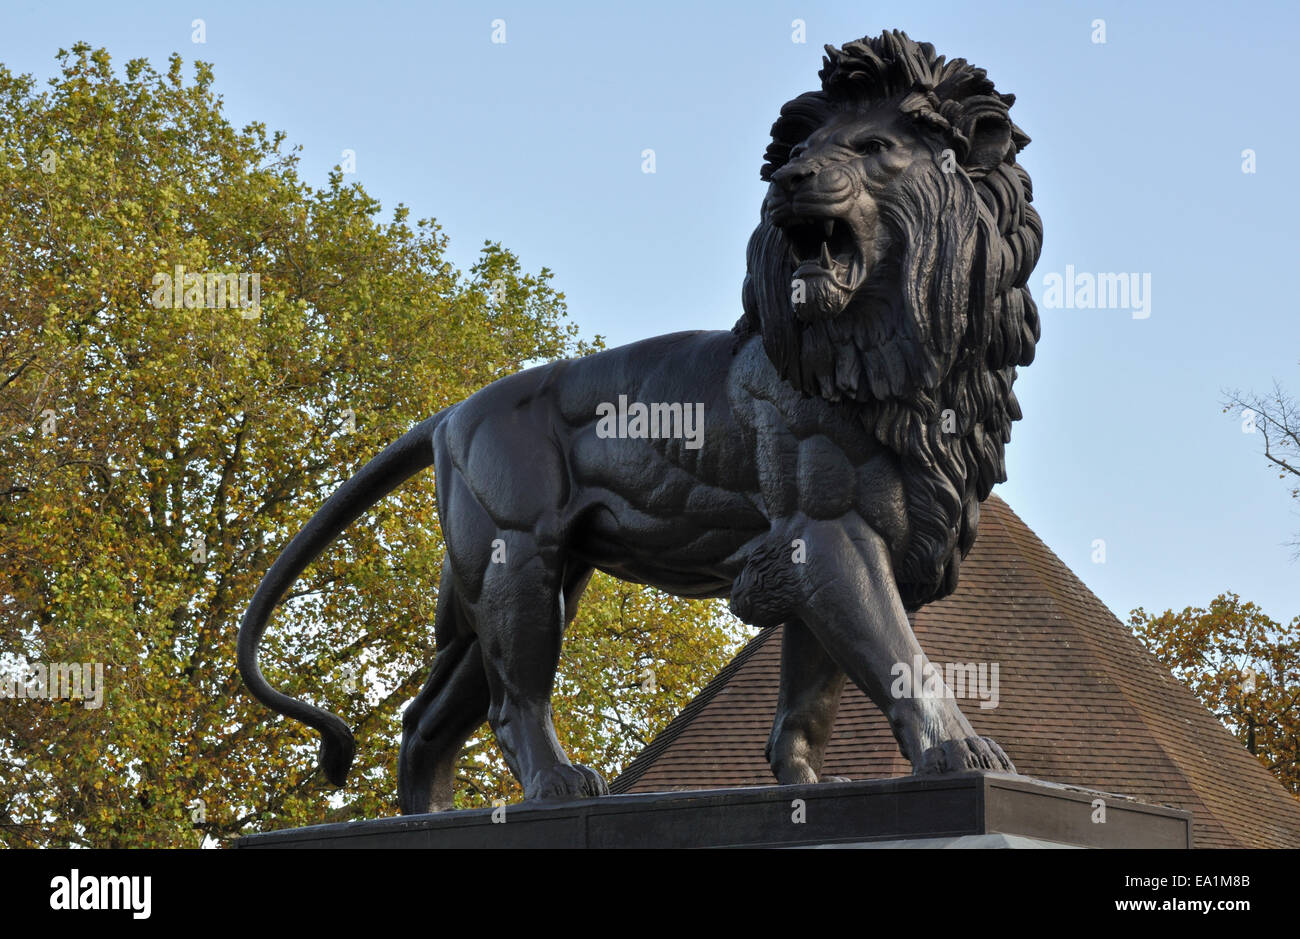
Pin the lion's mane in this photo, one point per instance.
(943, 321)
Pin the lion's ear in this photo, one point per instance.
(987, 128)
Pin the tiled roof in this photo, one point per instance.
(1081, 702)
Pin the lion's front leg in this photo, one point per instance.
(841, 587)
(811, 684)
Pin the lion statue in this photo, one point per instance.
(845, 433)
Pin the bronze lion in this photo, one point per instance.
(853, 420)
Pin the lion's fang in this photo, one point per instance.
(826, 256)
(828, 227)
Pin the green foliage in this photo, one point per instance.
(153, 461)
(1243, 666)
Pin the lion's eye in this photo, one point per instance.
(871, 147)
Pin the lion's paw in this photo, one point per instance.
(967, 753)
(567, 782)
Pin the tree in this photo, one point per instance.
(1276, 417)
(161, 440)
(1244, 667)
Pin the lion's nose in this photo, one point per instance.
(794, 174)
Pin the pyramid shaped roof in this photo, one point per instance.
(1080, 701)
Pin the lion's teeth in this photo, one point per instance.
(826, 256)
(828, 227)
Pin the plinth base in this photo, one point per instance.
(962, 810)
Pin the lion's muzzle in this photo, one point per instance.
(829, 236)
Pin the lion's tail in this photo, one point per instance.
(398, 462)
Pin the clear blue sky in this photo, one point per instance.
(1136, 162)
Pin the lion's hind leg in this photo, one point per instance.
(520, 617)
(450, 707)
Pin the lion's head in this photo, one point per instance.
(889, 268)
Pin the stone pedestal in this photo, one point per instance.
(963, 810)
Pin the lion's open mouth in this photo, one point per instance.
(828, 264)
(824, 246)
